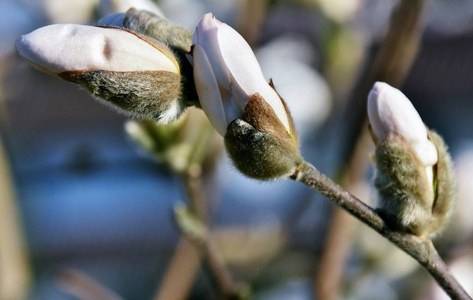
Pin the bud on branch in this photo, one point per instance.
(135, 73)
(414, 174)
(258, 128)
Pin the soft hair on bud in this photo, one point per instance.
(149, 24)
(405, 198)
(445, 198)
(177, 38)
(153, 95)
(259, 145)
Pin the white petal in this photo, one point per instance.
(246, 73)
(208, 91)
(389, 110)
(427, 152)
(206, 35)
(68, 47)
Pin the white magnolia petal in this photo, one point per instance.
(389, 110)
(246, 72)
(427, 152)
(232, 110)
(207, 88)
(206, 35)
(69, 47)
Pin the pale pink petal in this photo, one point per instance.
(427, 152)
(68, 47)
(208, 91)
(389, 110)
(246, 73)
(205, 35)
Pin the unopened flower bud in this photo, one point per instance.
(414, 174)
(258, 129)
(135, 73)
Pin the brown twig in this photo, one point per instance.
(251, 18)
(421, 250)
(82, 286)
(342, 228)
(180, 273)
(218, 270)
(15, 277)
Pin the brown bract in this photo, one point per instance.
(260, 145)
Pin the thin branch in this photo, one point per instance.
(342, 228)
(15, 270)
(181, 272)
(421, 250)
(195, 193)
(82, 286)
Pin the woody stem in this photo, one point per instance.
(421, 250)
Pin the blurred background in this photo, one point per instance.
(86, 214)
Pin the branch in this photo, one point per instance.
(421, 250)
(223, 278)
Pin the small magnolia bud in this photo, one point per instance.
(135, 73)
(258, 129)
(414, 176)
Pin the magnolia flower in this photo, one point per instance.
(227, 74)
(390, 111)
(257, 127)
(414, 174)
(131, 71)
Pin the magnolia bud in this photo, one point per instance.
(413, 168)
(258, 129)
(177, 38)
(135, 73)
